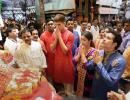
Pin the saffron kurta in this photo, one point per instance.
(47, 38)
(63, 69)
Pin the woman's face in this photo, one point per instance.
(84, 40)
(102, 34)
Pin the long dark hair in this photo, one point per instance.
(89, 36)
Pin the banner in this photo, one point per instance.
(59, 5)
(111, 3)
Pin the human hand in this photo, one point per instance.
(82, 50)
(115, 96)
(82, 53)
(97, 57)
(57, 32)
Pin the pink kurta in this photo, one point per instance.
(63, 69)
(47, 38)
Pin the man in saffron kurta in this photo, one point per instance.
(47, 38)
(62, 48)
(63, 71)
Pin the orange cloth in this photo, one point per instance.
(44, 91)
(63, 67)
(6, 56)
(47, 38)
(5, 78)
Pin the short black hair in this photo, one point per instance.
(70, 19)
(117, 38)
(127, 21)
(48, 20)
(101, 29)
(110, 29)
(119, 22)
(84, 21)
(31, 30)
(9, 29)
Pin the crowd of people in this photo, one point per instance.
(86, 60)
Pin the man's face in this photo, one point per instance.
(13, 34)
(88, 26)
(70, 25)
(60, 25)
(95, 23)
(50, 26)
(119, 26)
(27, 38)
(75, 23)
(84, 25)
(108, 42)
(127, 27)
(35, 35)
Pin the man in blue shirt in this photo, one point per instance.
(109, 68)
(70, 27)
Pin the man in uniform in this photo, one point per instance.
(109, 68)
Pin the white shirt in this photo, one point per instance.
(128, 96)
(30, 55)
(0, 36)
(11, 45)
(95, 32)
